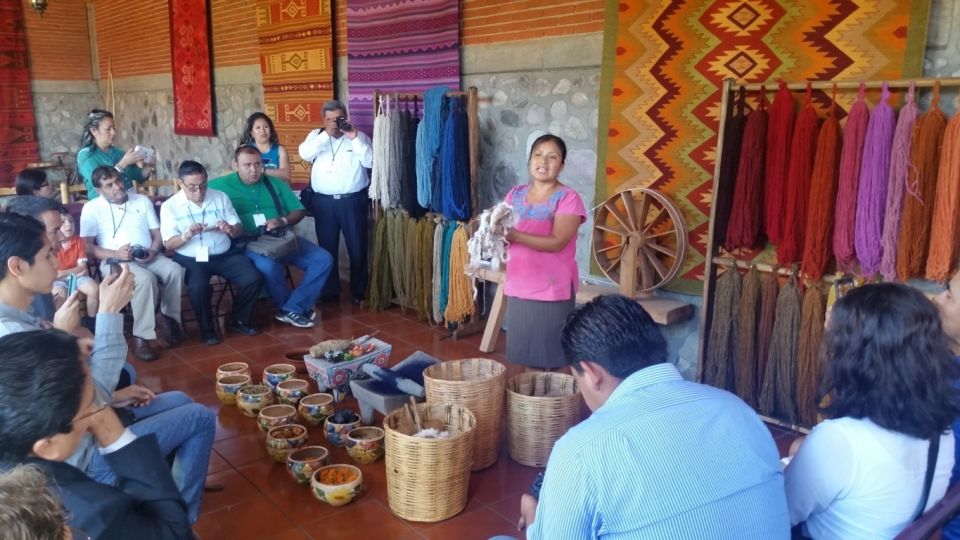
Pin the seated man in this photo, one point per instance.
(660, 457)
(184, 429)
(199, 224)
(47, 212)
(267, 203)
(125, 227)
(50, 405)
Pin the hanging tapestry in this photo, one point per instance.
(18, 126)
(399, 46)
(296, 61)
(190, 55)
(664, 63)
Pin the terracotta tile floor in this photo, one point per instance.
(260, 500)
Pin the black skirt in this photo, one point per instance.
(533, 331)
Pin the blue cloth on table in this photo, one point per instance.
(404, 378)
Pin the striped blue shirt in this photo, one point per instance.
(668, 459)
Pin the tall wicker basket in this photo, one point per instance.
(427, 479)
(541, 407)
(478, 384)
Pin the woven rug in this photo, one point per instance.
(664, 62)
(296, 60)
(18, 126)
(399, 46)
(190, 55)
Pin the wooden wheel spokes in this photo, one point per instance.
(639, 239)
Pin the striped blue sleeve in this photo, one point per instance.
(569, 506)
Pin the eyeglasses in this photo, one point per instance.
(100, 408)
(195, 188)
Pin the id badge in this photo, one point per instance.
(259, 220)
(203, 254)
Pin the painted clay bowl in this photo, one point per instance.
(272, 416)
(337, 433)
(365, 445)
(252, 398)
(345, 483)
(228, 386)
(233, 368)
(291, 391)
(303, 462)
(315, 408)
(277, 373)
(282, 440)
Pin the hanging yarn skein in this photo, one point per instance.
(409, 262)
(460, 305)
(897, 185)
(380, 172)
(381, 283)
(455, 164)
(823, 191)
(802, 151)
(919, 201)
(445, 269)
(397, 158)
(429, 134)
(438, 264)
(872, 195)
(743, 229)
(945, 228)
(780, 133)
(745, 347)
(809, 358)
(777, 394)
(489, 242)
(845, 218)
(727, 178)
(423, 269)
(769, 291)
(719, 369)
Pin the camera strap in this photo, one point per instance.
(273, 195)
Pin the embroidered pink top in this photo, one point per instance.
(541, 275)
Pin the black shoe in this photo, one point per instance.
(210, 339)
(311, 314)
(172, 332)
(244, 329)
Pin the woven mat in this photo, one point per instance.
(190, 56)
(664, 62)
(18, 126)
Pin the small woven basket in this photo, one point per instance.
(478, 384)
(427, 479)
(541, 407)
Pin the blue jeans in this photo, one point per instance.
(183, 428)
(316, 264)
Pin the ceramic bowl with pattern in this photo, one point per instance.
(276, 373)
(272, 416)
(365, 445)
(291, 391)
(233, 368)
(227, 388)
(336, 432)
(303, 462)
(315, 408)
(282, 440)
(253, 397)
(337, 485)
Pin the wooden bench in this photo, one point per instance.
(662, 310)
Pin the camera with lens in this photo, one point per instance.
(139, 252)
(343, 125)
(277, 232)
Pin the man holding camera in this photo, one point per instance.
(268, 210)
(338, 181)
(123, 227)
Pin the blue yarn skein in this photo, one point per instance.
(428, 142)
(454, 164)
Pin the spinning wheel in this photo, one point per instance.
(639, 240)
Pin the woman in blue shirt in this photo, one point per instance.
(261, 135)
(97, 149)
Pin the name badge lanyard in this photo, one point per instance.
(333, 152)
(193, 221)
(113, 221)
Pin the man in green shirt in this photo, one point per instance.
(248, 191)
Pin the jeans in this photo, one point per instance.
(316, 264)
(183, 428)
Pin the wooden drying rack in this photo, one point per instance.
(473, 128)
(728, 260)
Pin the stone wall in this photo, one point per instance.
(61, 109)
(942, 55)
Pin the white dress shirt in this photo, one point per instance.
(337, 162)
(178, 213)
(115, 225)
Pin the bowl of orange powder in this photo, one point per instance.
(336, 485)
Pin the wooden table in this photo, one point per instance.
(661, 310)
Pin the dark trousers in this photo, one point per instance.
(233, 266)
(348, 214)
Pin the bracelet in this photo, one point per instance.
(118, 169)
(536, 485)
(183, 236)
(285, 221)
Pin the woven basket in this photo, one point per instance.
(427, 479)
(541, 407)
(479, 385)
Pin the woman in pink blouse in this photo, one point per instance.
(542, 275)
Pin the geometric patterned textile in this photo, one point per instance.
(190, 59)
(404, 46)
(18, 125)
(296, 61)
(664, 63)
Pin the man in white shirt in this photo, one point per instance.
(199, 224)
(124, 226)
(339, 154)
